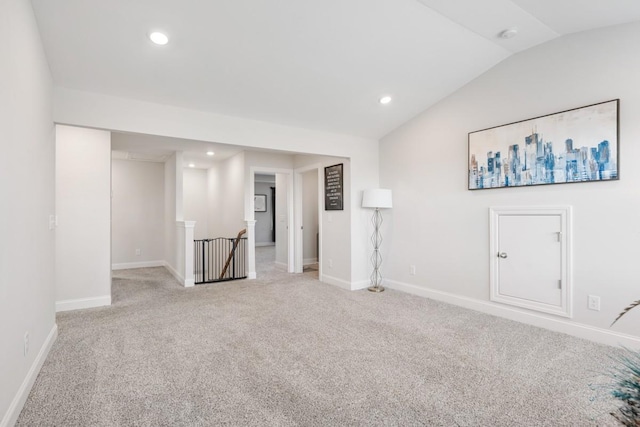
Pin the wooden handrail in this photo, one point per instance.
(233, 251)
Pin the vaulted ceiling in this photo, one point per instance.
(318, 64)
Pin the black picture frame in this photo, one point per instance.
(334, 188)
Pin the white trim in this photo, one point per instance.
(174, 273)
(141, 264)
(265, 243)
(565, 309)
(297, 223)
(13, 412)
(80, 303)
(362, 284)
(264, 181)
(186, 252)
(186, 224)
(563, 325)
(250, 268)
(299, 262)
(253, 170)
(336, 282)
(178, 277)
(309, 261)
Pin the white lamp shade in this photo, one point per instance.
(377, 198)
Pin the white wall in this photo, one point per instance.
(127, 115)
(225, 201)
(137, 213)
(170, 213)
(27, 288)
(264, 225)
(83, 206)
(226, 183)
(214, 215)
(196, 204)
(336, 247)
(310, 217)
(443, 229)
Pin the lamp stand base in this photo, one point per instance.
(375, 289)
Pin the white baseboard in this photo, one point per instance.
(179, 278)
(265, 244)
(336, 282)
(309, 261)
(77, 304)
(174, 273)
(251, 275)
(591, 333)
(12, 414)
(142, 264)
(362, 284)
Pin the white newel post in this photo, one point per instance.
(251, 251)
(185, 252)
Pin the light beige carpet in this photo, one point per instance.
(287, 350)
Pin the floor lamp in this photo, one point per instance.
(377, 199)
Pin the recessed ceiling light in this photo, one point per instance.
(210, 153)
(159, 38)
(191, 165)
(509, 33)
(385, 100)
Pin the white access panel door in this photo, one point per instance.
(530, 258)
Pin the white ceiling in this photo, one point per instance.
(151, 148)
(319, 64)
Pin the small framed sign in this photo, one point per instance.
(333, 188)
(260, 203)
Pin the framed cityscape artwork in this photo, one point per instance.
(579, 145)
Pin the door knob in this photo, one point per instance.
(502, 255)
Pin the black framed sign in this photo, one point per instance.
(333, 188)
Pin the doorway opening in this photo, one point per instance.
(271, 242)
(308, 225)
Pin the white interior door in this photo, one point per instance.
(529, 258)
(299, 184)
(529, 253)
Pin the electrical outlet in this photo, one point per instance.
(330, 263)
(138, 252)
(412, 270)
(26, 343)
(594, 302)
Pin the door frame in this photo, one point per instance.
(297, 183)
(253, 170)
(565, 214)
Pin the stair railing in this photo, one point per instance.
(232, 254)
(220, 259)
